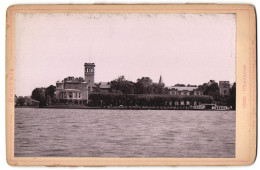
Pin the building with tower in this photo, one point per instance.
(89, 75)
(76, 89)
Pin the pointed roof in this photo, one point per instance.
(160, 80)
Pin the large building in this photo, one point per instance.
(224, 87)
(188, 91)
(72, 89)
(76, 89)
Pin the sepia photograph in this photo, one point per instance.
(125, 85)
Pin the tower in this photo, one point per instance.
(160, 80)
(89, 75)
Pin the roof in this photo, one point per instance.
(184, 88)
(74, 82)
(35, 101)
(104, 85)
(70, 90)
(89, 64)
(72, 79)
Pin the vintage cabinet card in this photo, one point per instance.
(130, 85)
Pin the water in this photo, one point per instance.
(124, 133)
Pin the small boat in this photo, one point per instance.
(221, 108)
(210, 107)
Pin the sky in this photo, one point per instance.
(182, 48)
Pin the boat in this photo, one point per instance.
(210, 107)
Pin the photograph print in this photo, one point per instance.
(125, 85)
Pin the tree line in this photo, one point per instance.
(143, 85)
(127, 100)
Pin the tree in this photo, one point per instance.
(211, 89)
(50, 91)
(159, 88)
(50, 94)
(96, 88)
(39, 95)
(21, 101)
(122, 85)
(144, 86)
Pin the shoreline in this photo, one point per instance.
(118, 108)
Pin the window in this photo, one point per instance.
(76, 95)
(70, 95)
(79, 95)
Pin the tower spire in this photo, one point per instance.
(160, 80)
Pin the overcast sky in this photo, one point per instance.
(183, 48)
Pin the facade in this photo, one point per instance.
(188, 91)
(89, 75)
(224, 87)
(72, 89)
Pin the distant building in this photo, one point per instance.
(224, 87)
(104, 86)
(189, 91)
(90, 75)
(72, 89)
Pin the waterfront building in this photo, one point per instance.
(224, 87)
(72, 89)
(188, 91)
(76, 89)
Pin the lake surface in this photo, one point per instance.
(124, 133)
